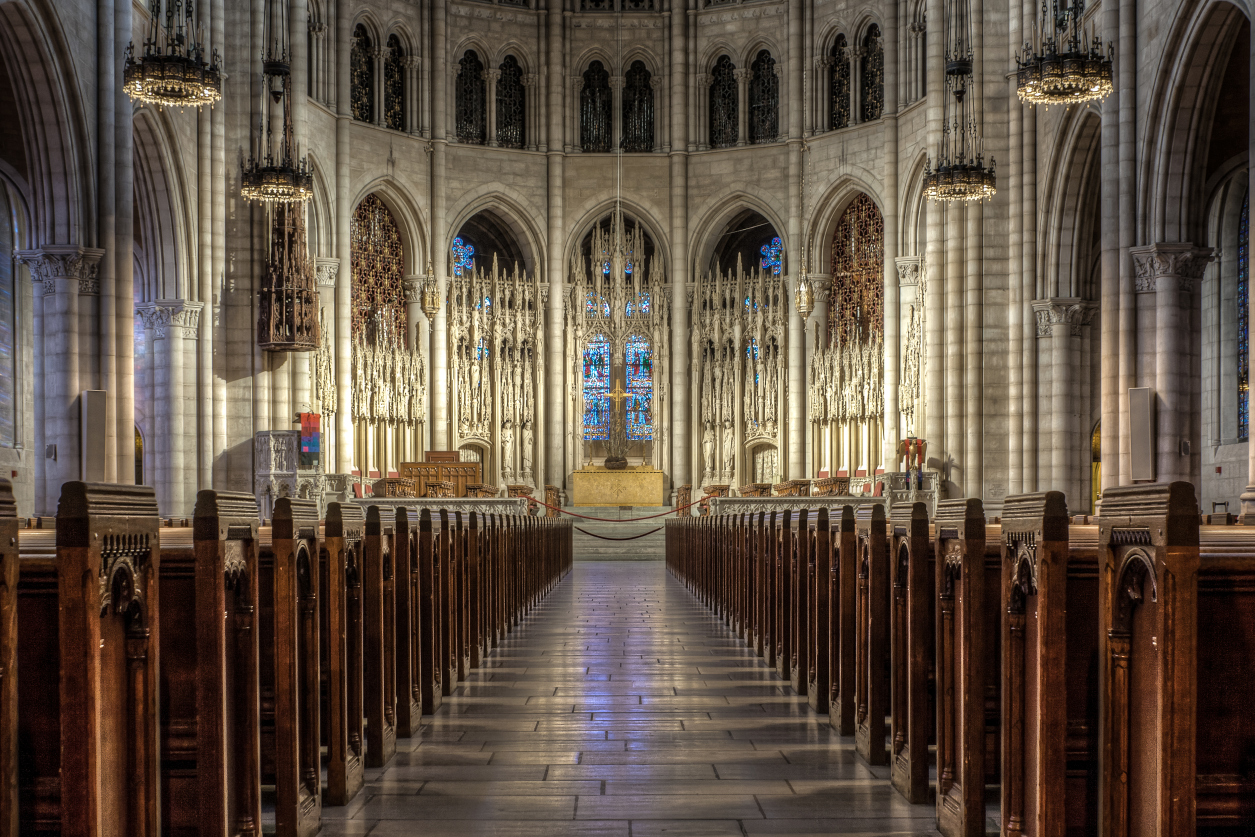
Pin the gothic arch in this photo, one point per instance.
(319, 220)
(366, 19)
(632, 211)
(828, 36)
(472, 42)
(595, 53)
(520, 52)
(747, 54)
(647, 57)
(911, 232)
(1075, 177)
(713, 224)
(408, 217)
(513, 219)
(163, 249)
(865, 20)
(828, 210)
(409, 43)
(714, 51)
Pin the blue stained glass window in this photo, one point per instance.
(645, 302)
(1244, 319)
(597, 389)
(481, 349)
(463, 256)
(640, 389)
(771, 255)
(590, 304)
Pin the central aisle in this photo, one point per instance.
(622, 707)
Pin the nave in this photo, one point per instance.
(620, 707)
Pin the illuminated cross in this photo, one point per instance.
(617, 394)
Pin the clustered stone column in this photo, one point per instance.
(1060, 325)
(742, 105)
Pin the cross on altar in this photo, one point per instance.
(617, 394)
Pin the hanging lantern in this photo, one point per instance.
(172, 71)
(430, 297)
(804, 297)
(274, 174)
(960, 173)
(287, 319)
(1061, 66)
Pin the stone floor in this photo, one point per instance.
(622, 707)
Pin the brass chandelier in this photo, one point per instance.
(274, 174)
(1061, 66)
(172, 72)
(960, 173)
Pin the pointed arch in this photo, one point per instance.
(410, 220)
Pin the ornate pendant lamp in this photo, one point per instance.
(172, 72)
(430, 298)
(273, 173)
(1061, 66)
(960, 173)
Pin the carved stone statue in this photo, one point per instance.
(527, 450)
(507, 448)
(708, 452)
(729, 449)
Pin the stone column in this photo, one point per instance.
(742, 107)
(438, 367)
(532, 140)
(701, 114)
(490, 104)
(325, 273)
(413, 97)
(377, 55)
(933, 423)
(344, 247)
(856, 83)
(1171, 272)
(680, 142)
(1248, 496)
(171, 324)
(556, 466)
(415, 335)
(890, 431)
(1060, 324)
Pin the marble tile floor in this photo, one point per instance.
(622, 708)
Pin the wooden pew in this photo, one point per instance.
(408, 621)
(446, 563)
(961, 667)
(8, 659)
(340, 585)
(912, 650)
(819, 622)
(38, 670)
(430, 642)
(288, 619)
(783, 590)
(379, 632)
(474, 581)
(210, 707)
(799, 607)
(762, 585)
(871, 680)
(843, 609)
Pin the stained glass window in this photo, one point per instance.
(764, 99)
(463, 256)
(362, 76)
(394, 85)
(378, 268)
(595, 109)
(723, 104)
(510, 104)
(469, 95)
(858, 258)
(597, 389)
(839, 85)
(638, 109)
(640, 389)
(1244, 319)
(771, 256)
(873, 75)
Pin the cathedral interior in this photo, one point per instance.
(626, 324)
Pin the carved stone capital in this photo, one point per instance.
(704, 79)
(655, 82)
(412, 288)
(327, 270)
(908, 270)
(616, 82)
(742, 75)
(1071, 312)
(491, 76)
(1168, 265)
(70, 266)
(529, 80)
(410, 62)
(317, 27)
(171, 317)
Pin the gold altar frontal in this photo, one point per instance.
(596, 486)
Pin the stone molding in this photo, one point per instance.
(1157, 266)
(176, 317)
(1071, 311)
(909, 269)
(63, 261)
(327, 270)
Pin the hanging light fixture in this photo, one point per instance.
(1061, 66)
(173, 71)
(273, 173)
(430, 299)
(287, 319)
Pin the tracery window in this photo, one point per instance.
(362, 76)
(463, 257)
(394, 85)
(510, 104)
(764, 99)
(839, 85)
(723, 104)
(469, 95)
(640, 389)
(873, 75)
(771, 251)
(597, 389)
(378, 267)
(1244, 319)
(858, 258)
(595, 109)
(638, 109)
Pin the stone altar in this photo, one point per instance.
(595, 486)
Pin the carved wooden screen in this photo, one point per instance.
(839, 85)
(1244, 319)
(858, 287)
(510, 104)
(764, 99)
(362, 76)
(595, 109)
(723, 104)
(469, 95)
(378, 267)
(638, 109)
(394, 85)
(873, 75)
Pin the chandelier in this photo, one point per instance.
(1061, 66)
(273, 173)
(960, 173)
(173, 71)
(287, 318)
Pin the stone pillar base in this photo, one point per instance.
(1247, 515)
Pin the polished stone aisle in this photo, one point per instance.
(622, 707)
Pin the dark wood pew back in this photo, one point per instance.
(8, 660)
(843, 606)
(379, 656)
(819, 621)
(408, 616)
(912, 650)
(342, 651)
(871, 675)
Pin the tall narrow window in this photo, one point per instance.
(873, 75)
(595, 109)
(839, 85)
(723, 104)
(510, 104)
(378, 302)
(764, 99)
(596, 386)
(640, 389)
(394, 85)
(638, 109)
(856, 312)
(1244, 319)
(362, 76)
(469, 96)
